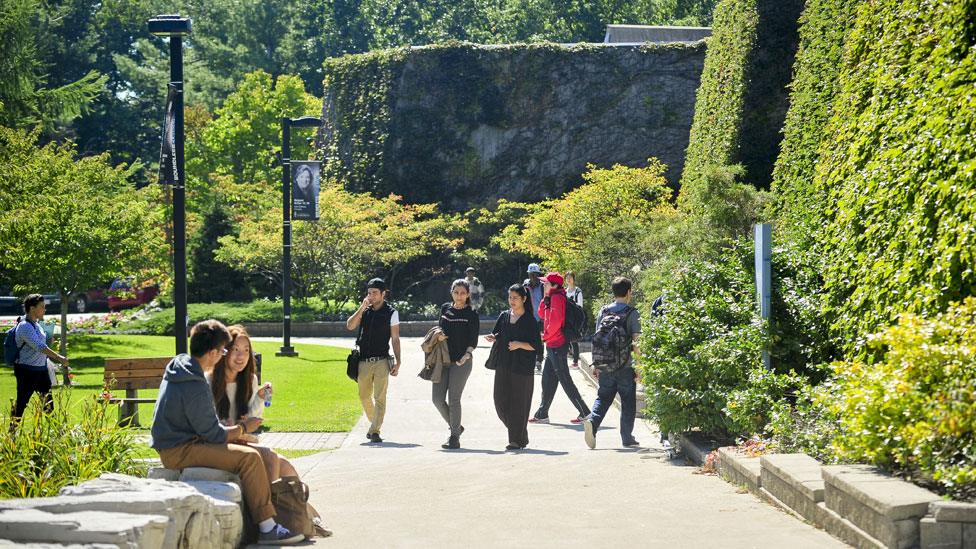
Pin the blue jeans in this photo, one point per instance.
(620, 382)
(554, 374)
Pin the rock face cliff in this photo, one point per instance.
(464, 125)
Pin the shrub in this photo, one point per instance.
(47, 451)
(914, 411)
(805, 423)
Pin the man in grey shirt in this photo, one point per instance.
(622, 380)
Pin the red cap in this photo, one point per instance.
(554, 278)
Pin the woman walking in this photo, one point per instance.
(460, 324)
(575, 295)
(30, 364)
(516, 337)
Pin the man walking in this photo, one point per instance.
(614, 346)
(187, 433)
(380, 325)
(534, 286)
(477, 294)
(556, 371)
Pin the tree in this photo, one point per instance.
(356, 235)
(69, 223)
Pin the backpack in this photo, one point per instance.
(574, 326)
(611, 342)
(10, 349)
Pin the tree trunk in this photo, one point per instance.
(64, 337)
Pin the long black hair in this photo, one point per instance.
(464, 284)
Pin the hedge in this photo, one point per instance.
(742, 100)
(899, 165)
(824, 27)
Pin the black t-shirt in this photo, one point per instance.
(375, 338)
(461, 327)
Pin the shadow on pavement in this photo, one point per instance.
(385, 444)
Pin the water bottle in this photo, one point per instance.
(267, 396)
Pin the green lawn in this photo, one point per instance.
(311, 393)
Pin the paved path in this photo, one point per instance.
(408, 492)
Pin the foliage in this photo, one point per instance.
(742, 98)
(824, 28)
(899, 166)
(805, 422)
(355, 235)
(914, 411)
(26, 98)
(67, 223)
(210, 279)
(49, 451)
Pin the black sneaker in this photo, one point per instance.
(375, 437)
(632, 444)
(279, 535)
(453, 443)
(511, 447)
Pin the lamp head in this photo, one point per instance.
(170, 25)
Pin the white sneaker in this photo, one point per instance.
(588, 434)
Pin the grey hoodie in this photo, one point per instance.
(185, 409)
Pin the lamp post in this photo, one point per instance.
(286, 124)
(175, 27)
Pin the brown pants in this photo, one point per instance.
(241, 460)
(374, 378)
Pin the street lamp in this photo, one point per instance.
(286, 124)
(176, 27)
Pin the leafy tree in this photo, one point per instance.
(355, 236)
(70, 223)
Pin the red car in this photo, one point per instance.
(121, 295)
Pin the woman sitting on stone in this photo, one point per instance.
(238, 395)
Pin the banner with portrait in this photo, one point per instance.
(168, 170)
(305, 189)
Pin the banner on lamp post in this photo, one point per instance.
(168, 171)
(305, 189)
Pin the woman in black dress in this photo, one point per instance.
(515, 339)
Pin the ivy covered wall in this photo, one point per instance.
(743, 98)
(463, 124)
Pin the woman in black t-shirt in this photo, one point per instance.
(515, 339)
(460, 324)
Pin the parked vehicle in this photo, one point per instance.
(91, 300)
(11, 304)
(121, 294)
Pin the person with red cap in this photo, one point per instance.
(552, 310)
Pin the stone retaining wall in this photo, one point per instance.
(198, 508)
(859, 504)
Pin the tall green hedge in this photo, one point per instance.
(824, 27)
(900, 166)
(743, 98)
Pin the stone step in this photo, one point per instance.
(119, 529)
(739, 468)
(794, 481)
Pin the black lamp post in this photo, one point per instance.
(286, 124)
(175, 27)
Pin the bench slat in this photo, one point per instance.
(141, 383)
(116, 364)
(129, 374)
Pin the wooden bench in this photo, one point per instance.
(133, 374)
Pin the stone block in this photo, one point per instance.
(893, 534)
(800, 471)
(228, 507)
(969, 535)
(162, 473)
(739, 469)
(784, 495)
(893, 498)
(119, 529)
(206, 473)
(842, 529)
(940, 535)
(194, 517)
(953, 511)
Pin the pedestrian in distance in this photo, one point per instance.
(187, 433)
(30, 359)
(477, 289)
(614, 347)
(556, 370)
(573, 293)
(533, 284)
(379, 327)
(515, 338)
(460, 324)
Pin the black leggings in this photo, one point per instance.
(30, 381)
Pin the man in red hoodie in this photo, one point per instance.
(552, 311)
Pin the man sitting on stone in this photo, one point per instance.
(187, 433)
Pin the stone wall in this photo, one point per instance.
(462, 124)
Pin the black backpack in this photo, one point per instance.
(574, 326)
(612, 343)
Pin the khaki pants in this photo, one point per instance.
(374, 378)
(243, 461)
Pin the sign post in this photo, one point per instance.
(764, 276)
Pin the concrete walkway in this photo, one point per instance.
(408, 492)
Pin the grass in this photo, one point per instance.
(312, 393)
